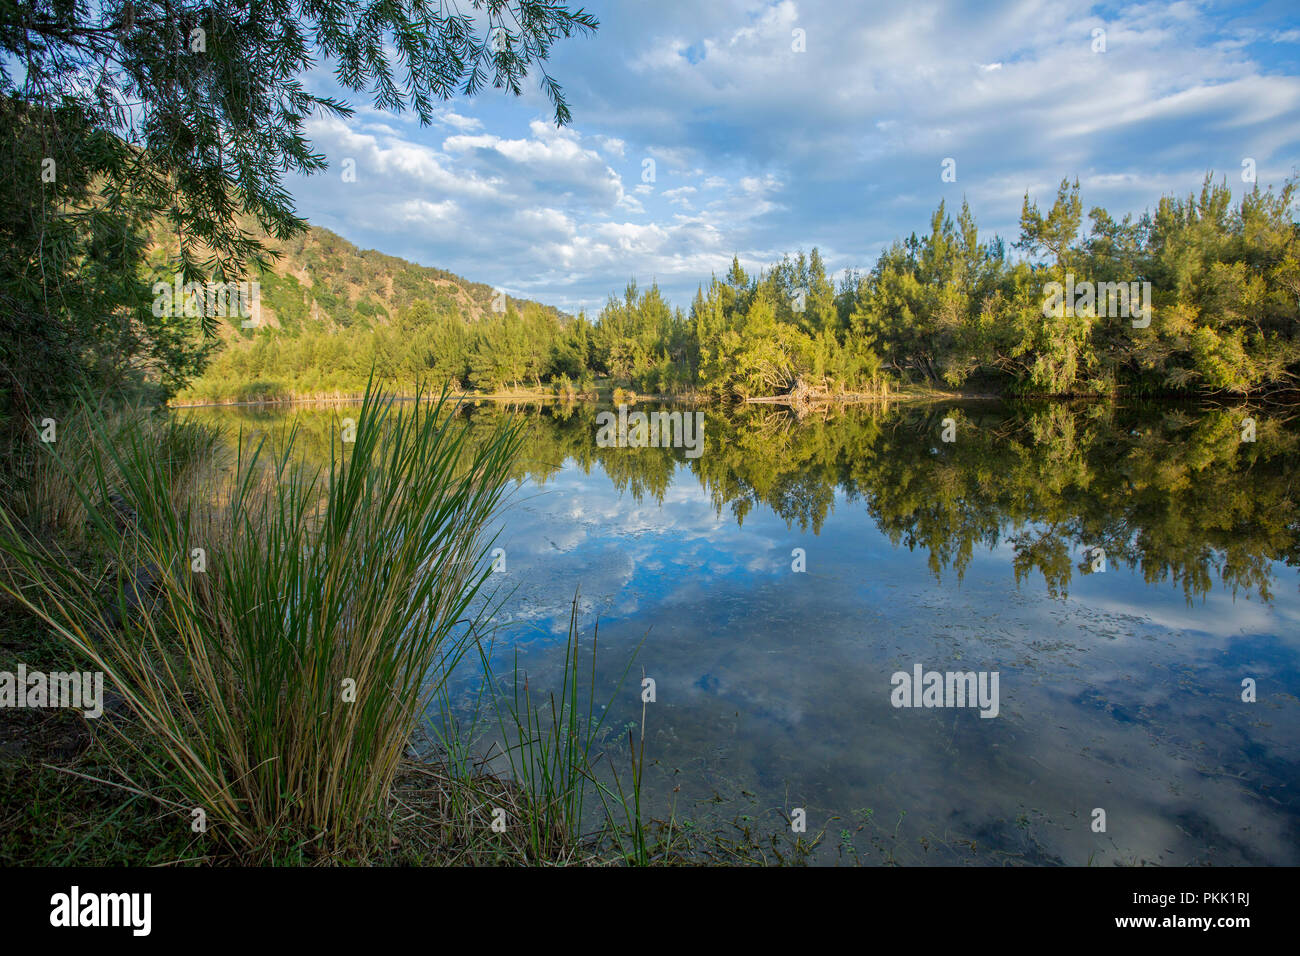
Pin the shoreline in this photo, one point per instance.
(848, 398)
(1284, 397)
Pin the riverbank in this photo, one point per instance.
(515, 395)
(213, 744)
(218, 732)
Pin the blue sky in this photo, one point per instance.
(760, 150)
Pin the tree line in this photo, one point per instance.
(1200, 295)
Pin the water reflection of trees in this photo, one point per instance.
(1171, 491)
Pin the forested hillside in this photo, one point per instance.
(329, 310)
(322, 278)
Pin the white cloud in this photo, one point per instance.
(540, 214)
(612, 146)
(839, 146)
(423, 212)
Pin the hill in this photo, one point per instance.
(323, 281)
(329, 311)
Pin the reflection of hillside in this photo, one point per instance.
(1171, 491)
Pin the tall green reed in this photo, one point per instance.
(289, 626)
(552, 744)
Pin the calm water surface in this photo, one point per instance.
(1119, 689)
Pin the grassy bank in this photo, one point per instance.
(270, 638)
(276, 643)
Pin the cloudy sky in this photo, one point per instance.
(701, 130)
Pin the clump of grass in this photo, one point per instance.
(283, 640)
(45, 489)
(549, 748)
(629, 833)
(541, 767)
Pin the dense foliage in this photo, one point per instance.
(1200, 295)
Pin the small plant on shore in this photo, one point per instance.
(550, 748)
